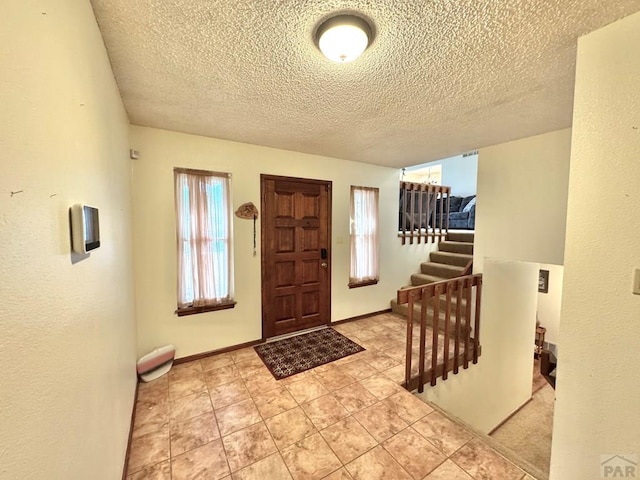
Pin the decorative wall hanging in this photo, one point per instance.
(248, 211)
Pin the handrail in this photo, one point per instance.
(429, 297)
(424, 211)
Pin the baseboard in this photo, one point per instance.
(200, 356)
(133, 421)
(210, 353)
(510, 416)
(360, 317)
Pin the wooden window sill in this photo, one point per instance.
(208, 308)
(363, 284)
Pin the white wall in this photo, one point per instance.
(522, 199)
(67, 347)
(500, 383)
(460, 173)
(598, 381)
(549, 304)
(155, 248)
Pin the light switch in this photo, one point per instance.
(339, 240)
(636, 281)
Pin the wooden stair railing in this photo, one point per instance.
(466, 347)
(418, 217)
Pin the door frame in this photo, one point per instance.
(263, 267)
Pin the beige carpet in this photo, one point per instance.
(528, 432)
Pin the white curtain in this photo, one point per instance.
(364, 235)
(203, 218)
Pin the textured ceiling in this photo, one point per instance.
(442, 77)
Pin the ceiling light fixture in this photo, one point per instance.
(343, 38)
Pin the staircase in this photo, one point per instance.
(452, 258)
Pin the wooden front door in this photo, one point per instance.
(296, 259)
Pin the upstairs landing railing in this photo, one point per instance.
(451, 307)
(424, 212)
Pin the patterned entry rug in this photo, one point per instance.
(296, 354)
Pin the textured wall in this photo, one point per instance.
(597, 409)
(500, 383)
(155, 247)
(522, 199)
(440, 78)
(550, 303)
(67, 346)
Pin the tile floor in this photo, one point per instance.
(226, 417)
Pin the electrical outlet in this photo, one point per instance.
(636, 281)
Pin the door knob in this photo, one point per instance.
(324, 265)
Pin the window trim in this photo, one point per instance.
(228, 301)
(367, 281)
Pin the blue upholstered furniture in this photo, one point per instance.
(462, 212)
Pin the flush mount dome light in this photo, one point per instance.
(343, 38)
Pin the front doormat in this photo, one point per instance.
(296, 354)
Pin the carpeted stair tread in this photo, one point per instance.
(450, 258)
(441, 270)
(422, 279)
(456, 247)
(467, 237)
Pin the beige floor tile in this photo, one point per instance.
(334, 378)
(350, 358)
(397, 355)
(150, 417)
(324, 411)
(208, 461)
(250, 368)
(156, 391)
(365, 334)
(308, 390)
(310, 459)
(244, 355)
(358, 369)
(295, 378)
(414, 453)
(396, 374)
(159, 471)
(149, 449)
(380, 421)
(193, 433)
(228, 394)
(216, 361)
(380, 361)
(483, 463)
(380, 386)
(377, 464)
(290, 427)
(270, 468)
(355, 397)
(407, 406)
(221, 376)
(185, 370)
(191, 406)
(442, 432)
(448, 471)
(341, 474)
(247, 446)
(184, 386)
(348, 439)
(261, 382)
(274, 402)
(237, 416)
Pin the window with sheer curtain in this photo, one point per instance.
(205, 244)
(364, 237)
